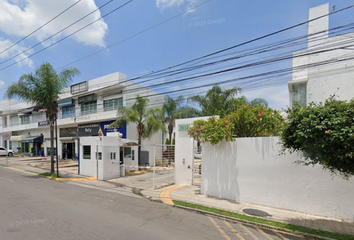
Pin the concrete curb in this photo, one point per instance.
(165, 196)
(252, 223)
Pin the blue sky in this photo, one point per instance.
(213, 26)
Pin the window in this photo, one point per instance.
(68, 111)
(112, 104)
(99, 156)
(87, 152)
(113, 156)
(48, 150)
(80, 87)
(4, 120)
(133, 155)
(89, 107)
(25, 147)
(25, 119)
(299, 94)
(127, 152)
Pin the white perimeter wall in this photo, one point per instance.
(251, 170)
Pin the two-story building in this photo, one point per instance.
(326, 67)
(85, 109)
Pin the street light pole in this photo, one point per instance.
(56, 142)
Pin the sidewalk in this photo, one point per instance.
(38, 165)
(191, 194)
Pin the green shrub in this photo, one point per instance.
(323, 134)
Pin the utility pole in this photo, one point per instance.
(56, 142)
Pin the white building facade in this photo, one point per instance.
(85, 109)
(326, 68)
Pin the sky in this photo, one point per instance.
(208, 26)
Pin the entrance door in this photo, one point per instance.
(68, 150)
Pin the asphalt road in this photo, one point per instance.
(37, 208)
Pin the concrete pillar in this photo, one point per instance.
(318, 25)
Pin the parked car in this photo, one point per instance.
(198, 155)
(3, 152)
(200, 169)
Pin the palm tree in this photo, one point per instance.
(173, 109)
(259, 102)
(147, 120)
(216, 100)
(42, 88)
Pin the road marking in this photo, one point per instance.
(234, 230)
(165, 196)
(263, 233)
(6, 179)
(76, 179)
(220, 229)
(249, 232)
(279, 235)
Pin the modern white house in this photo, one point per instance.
(85, 110)
(326, 67)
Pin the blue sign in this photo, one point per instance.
(104, 129)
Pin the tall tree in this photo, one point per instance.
(42, 88)
(147, 120)
(216, 101)
(173, 109)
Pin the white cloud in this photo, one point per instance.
(4, 44)
(20, 17)
(164, 4)
(2, 83)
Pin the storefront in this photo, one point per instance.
(68, 143)
(32, 145)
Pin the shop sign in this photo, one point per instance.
(104, 129)
(88, 130)
(43, 123)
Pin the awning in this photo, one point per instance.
(38, 139)
(25, 111)
(15, 138)
(128, 142)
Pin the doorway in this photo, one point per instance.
(68, 150)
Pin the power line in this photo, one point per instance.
(25, 37)
(135, 35)
(63, 37)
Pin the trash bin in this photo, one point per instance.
(122, 170)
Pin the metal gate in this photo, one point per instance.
(197, 163)
(156, 168)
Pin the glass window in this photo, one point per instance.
(87, 152)
(68, 111)
(133, 155)
(112, 104)
(89, 107)
(113, 156)
(25, 119)
(80, 87)
(99, 156)
(299, 94)
(25, 147)
(127, 152)
(48, 150)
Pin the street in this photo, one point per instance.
(36, 208)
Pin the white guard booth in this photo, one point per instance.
(102, 157)
(99, 157)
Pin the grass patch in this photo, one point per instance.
(49, 175)
(284, 226)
